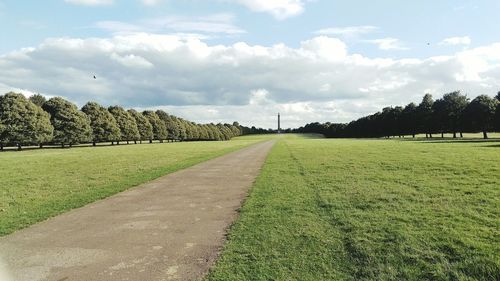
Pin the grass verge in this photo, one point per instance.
(369, 210)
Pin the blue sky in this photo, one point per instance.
(177, 54)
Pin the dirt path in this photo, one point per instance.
(169, 229)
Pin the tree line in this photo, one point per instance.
(453, 113)
(37, 121)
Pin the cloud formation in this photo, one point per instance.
(216, 23)
(280, 9)
(388, 44)
(456, 41)
(318, 81)
(347, 30)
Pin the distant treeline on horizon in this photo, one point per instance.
(37, 121)
(453, 113)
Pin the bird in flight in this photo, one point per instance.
(95, 77)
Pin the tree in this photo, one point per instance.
(454, 106)
(480, 114)
(497, 97)
(22, 122)
(409, 120)
(126, 123)
(103, 124)
(38, 99)
(159, 129)
(439, 117)
(70, 125)
(424, 113)
(144, 127)
(170, 124)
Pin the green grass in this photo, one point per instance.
(327, 209)
(38, 184)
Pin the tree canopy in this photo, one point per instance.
(126, 122)
(71, 126)
(102, 122)
(23, 122)
(145, 128)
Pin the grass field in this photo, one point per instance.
(326, 209)
(37, 184)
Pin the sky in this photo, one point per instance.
(247, 60)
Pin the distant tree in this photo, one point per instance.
(126, 122)
(102, 122)
(22, 122)
(409, 119)
(424, 113)
(497, 97)
(440, 117)
(38, 99)
(170, 124)
(497, 117)
(454, 106)
(159, 128)
(145, 128)
(480, 114)
(71, 126)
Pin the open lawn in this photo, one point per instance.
(325, 209)
(38, 184)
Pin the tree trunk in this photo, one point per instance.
(112, 143)
(413, 135)
(140, 141)
(19, 147)
(426, 136)
(135, 142)
(127, 142)
(1, 146)
(454, 135)
(150, 141)
(62, 144)
(485, 134)
(117, 143)
(41, 145)
(461, 135)
(93, 143)
(70, 145)
(442, 135)
(430, 135)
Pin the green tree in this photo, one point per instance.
(480, 114)
(409, 120)
(38, 99)
(440, 117)
(159, 129)
(424, 113)
(103, 124)
(71, 126)
(145, 128)
(126, 122)
(170, 124)
(454, 106)
(22, 122)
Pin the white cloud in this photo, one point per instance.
(151, 2)
(217, 23)
(456, 41)
(348, 30)
(388, 44)
(90, 2)
(280, 9)
(317, 81)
